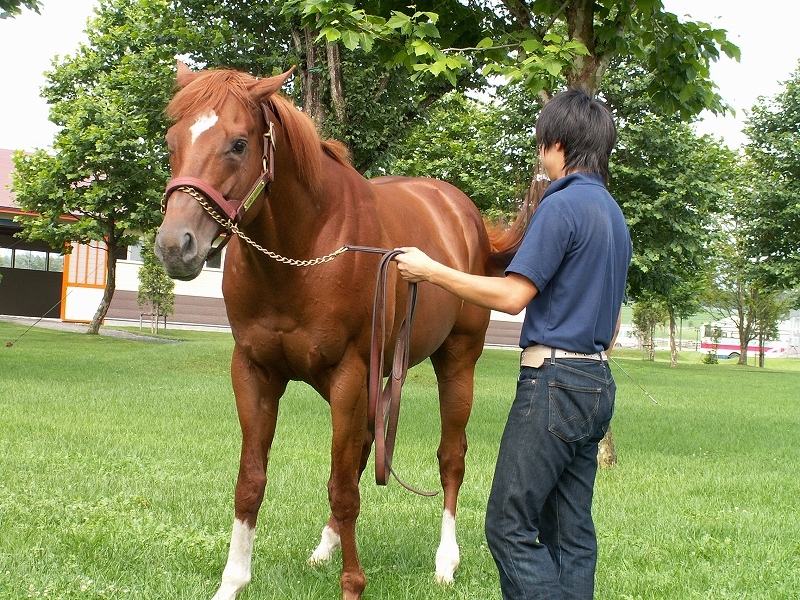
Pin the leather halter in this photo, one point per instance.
(232, 211)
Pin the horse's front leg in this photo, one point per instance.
(348, 400)
(257, 395)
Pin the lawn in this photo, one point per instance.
(118, 461)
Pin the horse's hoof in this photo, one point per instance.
(442, 579)
(447, 561)
(324, 552)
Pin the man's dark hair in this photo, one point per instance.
(585, 128)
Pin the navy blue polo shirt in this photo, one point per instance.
(576, 251)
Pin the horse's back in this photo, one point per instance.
(436, 217)
(444, 223)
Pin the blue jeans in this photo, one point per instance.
(538, 521)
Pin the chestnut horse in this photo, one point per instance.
(296, 318)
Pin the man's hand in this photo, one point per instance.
(414, 265)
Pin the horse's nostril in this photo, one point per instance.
(188, 245)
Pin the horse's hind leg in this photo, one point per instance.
(330, 540)
(257, 404)
(454, 364)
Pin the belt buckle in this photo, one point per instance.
(536, 361)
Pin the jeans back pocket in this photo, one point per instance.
(573, 410)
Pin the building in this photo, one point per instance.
(39, 281)
(32, 272)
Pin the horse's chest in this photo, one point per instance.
(291, 325)
(299, 349)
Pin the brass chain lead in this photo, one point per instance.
(231, 226)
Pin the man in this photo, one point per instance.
(569, 275)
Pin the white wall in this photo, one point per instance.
(207, 285)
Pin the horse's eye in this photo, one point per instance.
(239, 146)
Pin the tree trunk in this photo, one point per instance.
(108, 292)
(606, 451)
(337, 85)
(743, 354)
(587, 70)
(673, 351)
(310, 76)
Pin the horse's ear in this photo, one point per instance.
(263, 88)
(184, 75)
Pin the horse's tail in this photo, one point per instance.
(505, 239)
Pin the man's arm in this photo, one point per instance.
(509, 294)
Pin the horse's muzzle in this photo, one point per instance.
(179, 253)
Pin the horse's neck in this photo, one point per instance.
(290, 219)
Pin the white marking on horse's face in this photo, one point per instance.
(203, 123)
(237, 571)
(330, 541)
(448, 555)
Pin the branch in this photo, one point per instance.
(553, 19)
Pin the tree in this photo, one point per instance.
(648, 313)
(156, 289)
(103, 180)
(486, 149)
(744, 286)
(670, 184)
(11, 8)
(350, 94)
(539, 42)
(772, 218)
(739, 293)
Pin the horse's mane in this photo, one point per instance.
(211, 88)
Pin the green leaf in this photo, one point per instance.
(422, 48)
(351, 39)
(531, 46)
(426, 30)
(399, 21)
(329, 34)
(367, 41)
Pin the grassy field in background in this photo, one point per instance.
(118, 461)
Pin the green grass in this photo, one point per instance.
(118, 461)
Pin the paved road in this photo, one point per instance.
(80, 328)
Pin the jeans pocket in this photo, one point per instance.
(573, 410)
(526, 389)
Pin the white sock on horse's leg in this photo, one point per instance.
(448, 555)
(330, 541)
(237, 572)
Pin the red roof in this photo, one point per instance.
(6, 168)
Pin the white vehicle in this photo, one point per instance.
(722, 337)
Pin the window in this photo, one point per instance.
(135, 252)
(34, 260)
(30, 259)
(55, 262)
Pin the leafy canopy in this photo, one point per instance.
(539, 42)
(12, 8)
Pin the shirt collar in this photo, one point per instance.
(573, 178)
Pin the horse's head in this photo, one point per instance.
(216, 148)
